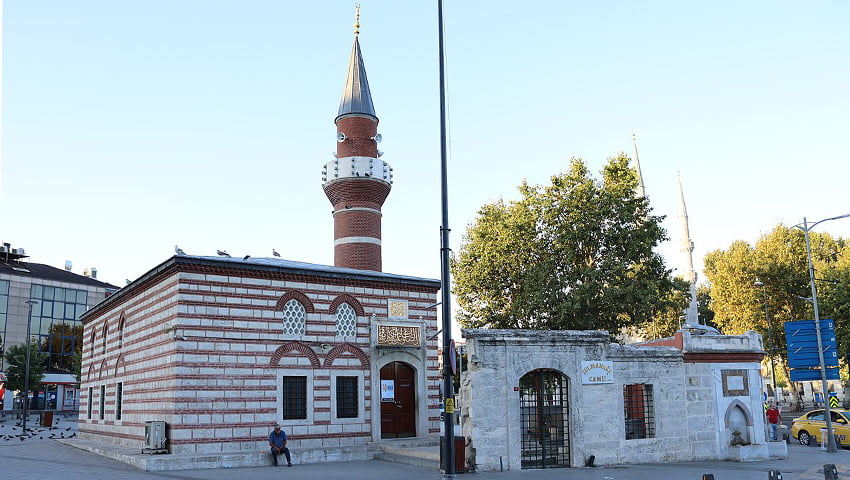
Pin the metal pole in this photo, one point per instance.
(830, 438)
(27, 367)
(769, 339)
(445, 287)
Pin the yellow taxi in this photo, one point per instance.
(806, 429)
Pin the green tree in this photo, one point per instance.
(16, 361)
(669, 318)
(574, 254)
(77, 366)
(779, 261)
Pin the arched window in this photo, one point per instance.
(105, 325)
(346, 321)
(121, 331)
(294, 318)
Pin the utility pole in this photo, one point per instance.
(445, 252)
(27, 367)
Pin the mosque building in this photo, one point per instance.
(221, 349)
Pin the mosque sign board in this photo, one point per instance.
(597, 372)
(399, 336)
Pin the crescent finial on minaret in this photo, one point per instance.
(356, 19)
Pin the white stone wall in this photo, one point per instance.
(688, 401)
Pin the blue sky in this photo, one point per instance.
(129, 127)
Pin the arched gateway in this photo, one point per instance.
(544, 417)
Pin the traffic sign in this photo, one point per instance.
(809, 358)
(813, 374)
(803, 359)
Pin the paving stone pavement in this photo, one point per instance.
(40, 457)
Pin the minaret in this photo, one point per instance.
(357, 182)
(640, 191)
(687, 249)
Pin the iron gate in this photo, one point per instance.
(545, 419)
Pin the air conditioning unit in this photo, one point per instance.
(3, 249)
(155, 439)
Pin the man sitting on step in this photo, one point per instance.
(277, 440)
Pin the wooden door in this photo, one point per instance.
(398, 410)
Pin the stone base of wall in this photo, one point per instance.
(748, 453)
(257, 458)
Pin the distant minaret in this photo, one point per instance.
(640, 190)
(357, 182)
(687, 249)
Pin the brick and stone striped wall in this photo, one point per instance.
(203, 349)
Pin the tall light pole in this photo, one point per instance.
(805, 227)
(27, 367)
(445, 253)
(758, 283)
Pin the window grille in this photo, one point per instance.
(346, 321)
(347, 397)
(119, 393)
(91, 401)
(294, 318)
(639, 411)
(295, 398)
(102, 401)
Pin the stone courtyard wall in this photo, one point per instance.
(688, 399)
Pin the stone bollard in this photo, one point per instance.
(774, 475)
(830, 472)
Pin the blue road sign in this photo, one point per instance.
(808, 358)
(813, 374)
(802, 342)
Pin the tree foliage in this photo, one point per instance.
(574, 254)
(16, 361)
(779, 261)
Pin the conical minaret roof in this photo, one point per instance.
(640, 190)
(687, 249)
(356, 97)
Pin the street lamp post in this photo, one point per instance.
(769, 337)
(806, 228)
(27, 367)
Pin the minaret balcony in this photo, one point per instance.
(357, 167)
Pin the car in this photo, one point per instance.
(806, 429)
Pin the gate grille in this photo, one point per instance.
(545, 420)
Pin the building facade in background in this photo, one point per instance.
(58, 299)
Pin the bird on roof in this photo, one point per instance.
(128, 281)
(178, 250)
(274, 252)
(246, 257)
(222, 253)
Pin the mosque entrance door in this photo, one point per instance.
(544, 412)
(398, 401)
